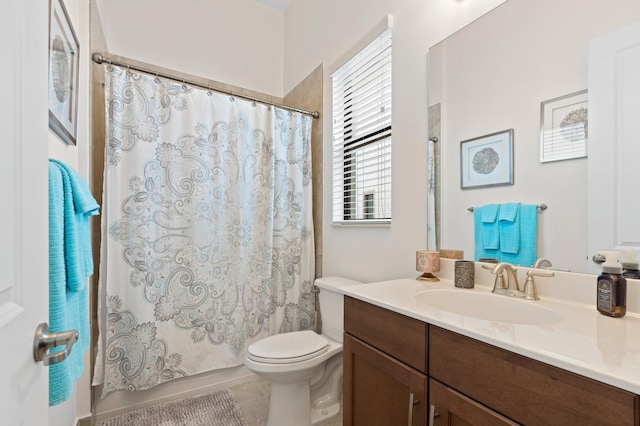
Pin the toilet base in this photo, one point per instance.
(319, 415)
(326, 391)
(289, 404)
(304, 393)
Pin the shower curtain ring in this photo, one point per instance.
(209, 93)
(157, 79)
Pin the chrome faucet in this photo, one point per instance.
(542, 263)
(511, 287)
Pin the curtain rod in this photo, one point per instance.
(99, 59)
(541, 207)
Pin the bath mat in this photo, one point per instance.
(218, 408)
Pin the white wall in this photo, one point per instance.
(237, 42)
(497, 72)
(77, 156)
(322, 32)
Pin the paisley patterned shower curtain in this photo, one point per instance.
(207, 230)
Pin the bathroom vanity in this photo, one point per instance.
(408, 363)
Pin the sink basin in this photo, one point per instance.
(488, 306)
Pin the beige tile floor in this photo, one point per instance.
(253, 398)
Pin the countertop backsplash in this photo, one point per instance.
(569, 287)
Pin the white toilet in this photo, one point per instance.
(305, 368)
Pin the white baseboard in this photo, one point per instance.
(122, 401)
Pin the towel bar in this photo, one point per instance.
(541, 207)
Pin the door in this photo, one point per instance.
(450, 408)
(23, 212)
(379, 390)
(614, 142)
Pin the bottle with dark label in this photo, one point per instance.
(612, 287)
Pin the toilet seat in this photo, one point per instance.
(288, 348)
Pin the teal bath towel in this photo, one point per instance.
(490, 229)
(527, 221)
(509, 226)
(70, 263)
(490, 234)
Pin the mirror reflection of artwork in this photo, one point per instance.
(487, 160)
(563, 127)
(575, 119)
(63, 74)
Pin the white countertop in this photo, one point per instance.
(583, 341)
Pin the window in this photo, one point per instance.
(362, 135)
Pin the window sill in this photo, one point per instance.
(363, 223)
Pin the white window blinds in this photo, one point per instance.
(362, 135)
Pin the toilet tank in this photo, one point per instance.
(331, 301)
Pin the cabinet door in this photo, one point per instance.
(450, 408)
(379, 390)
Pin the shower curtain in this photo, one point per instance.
(207, 230)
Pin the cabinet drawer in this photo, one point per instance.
(397, 335)
(525, 390)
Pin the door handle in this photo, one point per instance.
(43, 341)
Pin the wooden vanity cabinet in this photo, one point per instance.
(385, 360)
(393, 362)
(526, 391)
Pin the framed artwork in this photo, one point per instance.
(564, 127)
(487, 160)
(63, 73)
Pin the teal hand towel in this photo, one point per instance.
(490, 233)
(509, 227)
(528, 219)
(60, 385)
(79, 205)
(70, 263)
(479, 249)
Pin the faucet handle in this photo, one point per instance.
(530, 291)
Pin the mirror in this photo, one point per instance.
(494, 75)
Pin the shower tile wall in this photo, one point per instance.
(308, 96)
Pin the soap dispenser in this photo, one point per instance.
(629, 262)
(612, 287)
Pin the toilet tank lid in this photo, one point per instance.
(335, 283)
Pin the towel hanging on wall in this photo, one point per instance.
(509, 228)
(512, 237)
(70, 263)
(526, 225)
(486, 231)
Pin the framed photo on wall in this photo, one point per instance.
(63, 73)
(487, 160)
(564, 127)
